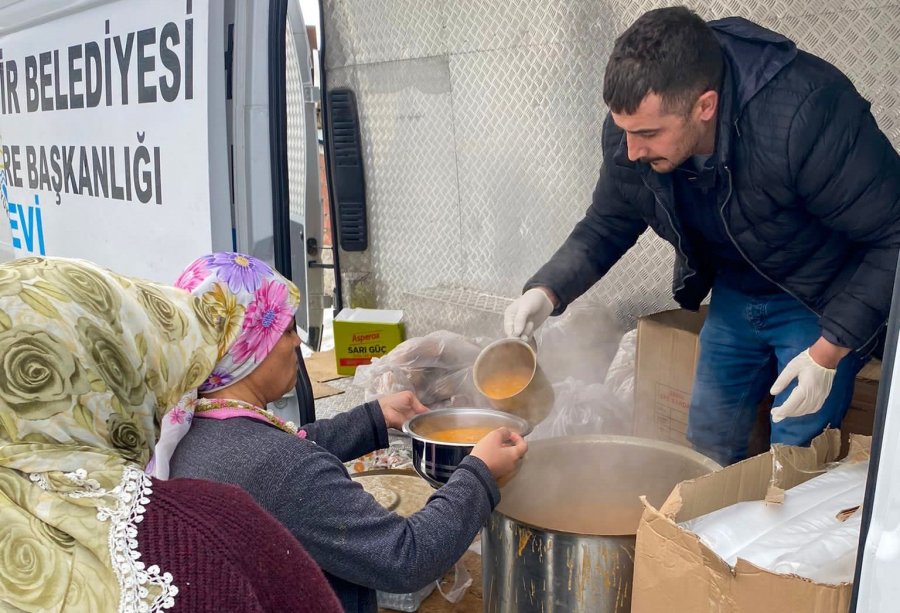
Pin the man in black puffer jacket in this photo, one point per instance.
(763, 166)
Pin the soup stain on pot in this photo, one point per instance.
(524, 536)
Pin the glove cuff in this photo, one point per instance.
(816, 364)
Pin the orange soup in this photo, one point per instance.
(460, 435)
(504, 385)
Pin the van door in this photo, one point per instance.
(277, 208)
(275, 174)
(878, 560)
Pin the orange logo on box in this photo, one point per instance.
(365, 337)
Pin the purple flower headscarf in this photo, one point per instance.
(256, 305)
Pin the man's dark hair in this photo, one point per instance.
(670, 52)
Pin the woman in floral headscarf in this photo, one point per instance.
(225, 434)
(88, 357)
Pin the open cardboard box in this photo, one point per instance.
(668, 345)
(675, 572)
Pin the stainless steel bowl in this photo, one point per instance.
(436, 460)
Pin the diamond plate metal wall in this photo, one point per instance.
(865, 44)
(527, 141)
(296, 130)
(477, 25)
(481, 124)
(371, 31)
(411, 180)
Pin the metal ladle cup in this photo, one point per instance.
(509, 358)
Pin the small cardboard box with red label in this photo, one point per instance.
(363, 334)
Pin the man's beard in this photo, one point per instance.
(667, 165)
(691, 138)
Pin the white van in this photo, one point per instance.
(143, 134)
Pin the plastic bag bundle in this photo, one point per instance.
(452, 588)
(579, 344)
(813, 534)
(582, 408)
(620, 375)
(437, 368)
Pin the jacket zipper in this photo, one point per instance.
(691, 271)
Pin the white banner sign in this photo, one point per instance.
(104, 133)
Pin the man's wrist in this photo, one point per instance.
(551, 295)
(826, 354)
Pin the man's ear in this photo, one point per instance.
(706, 105)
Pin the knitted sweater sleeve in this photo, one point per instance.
(352, 537)
(351, 434)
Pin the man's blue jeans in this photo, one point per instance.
(745, 342)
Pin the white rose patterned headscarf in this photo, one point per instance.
(255, 304)
(89, 360)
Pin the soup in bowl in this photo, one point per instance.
(443, 437)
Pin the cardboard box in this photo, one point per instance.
(675, 572)
(860, 416)
(668, 346)
(363, 334)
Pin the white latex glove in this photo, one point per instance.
(527, 313)
(813, 385)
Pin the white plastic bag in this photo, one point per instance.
(579, 344)
(803, 536)
(591, 407)
(455, 590)
(437, 368)
(582, 408)
(620, 375)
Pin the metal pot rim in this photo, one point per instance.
(524, 427)
(629, 538)
(680, 450)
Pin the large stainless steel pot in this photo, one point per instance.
(562, 538)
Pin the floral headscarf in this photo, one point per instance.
(255, 305)
(89, 360)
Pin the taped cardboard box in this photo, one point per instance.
(675, 572)
(668, 346)
(363, 334)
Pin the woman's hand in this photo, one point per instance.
(501, 451)
(398, 408)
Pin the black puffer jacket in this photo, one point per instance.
(809, 192)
